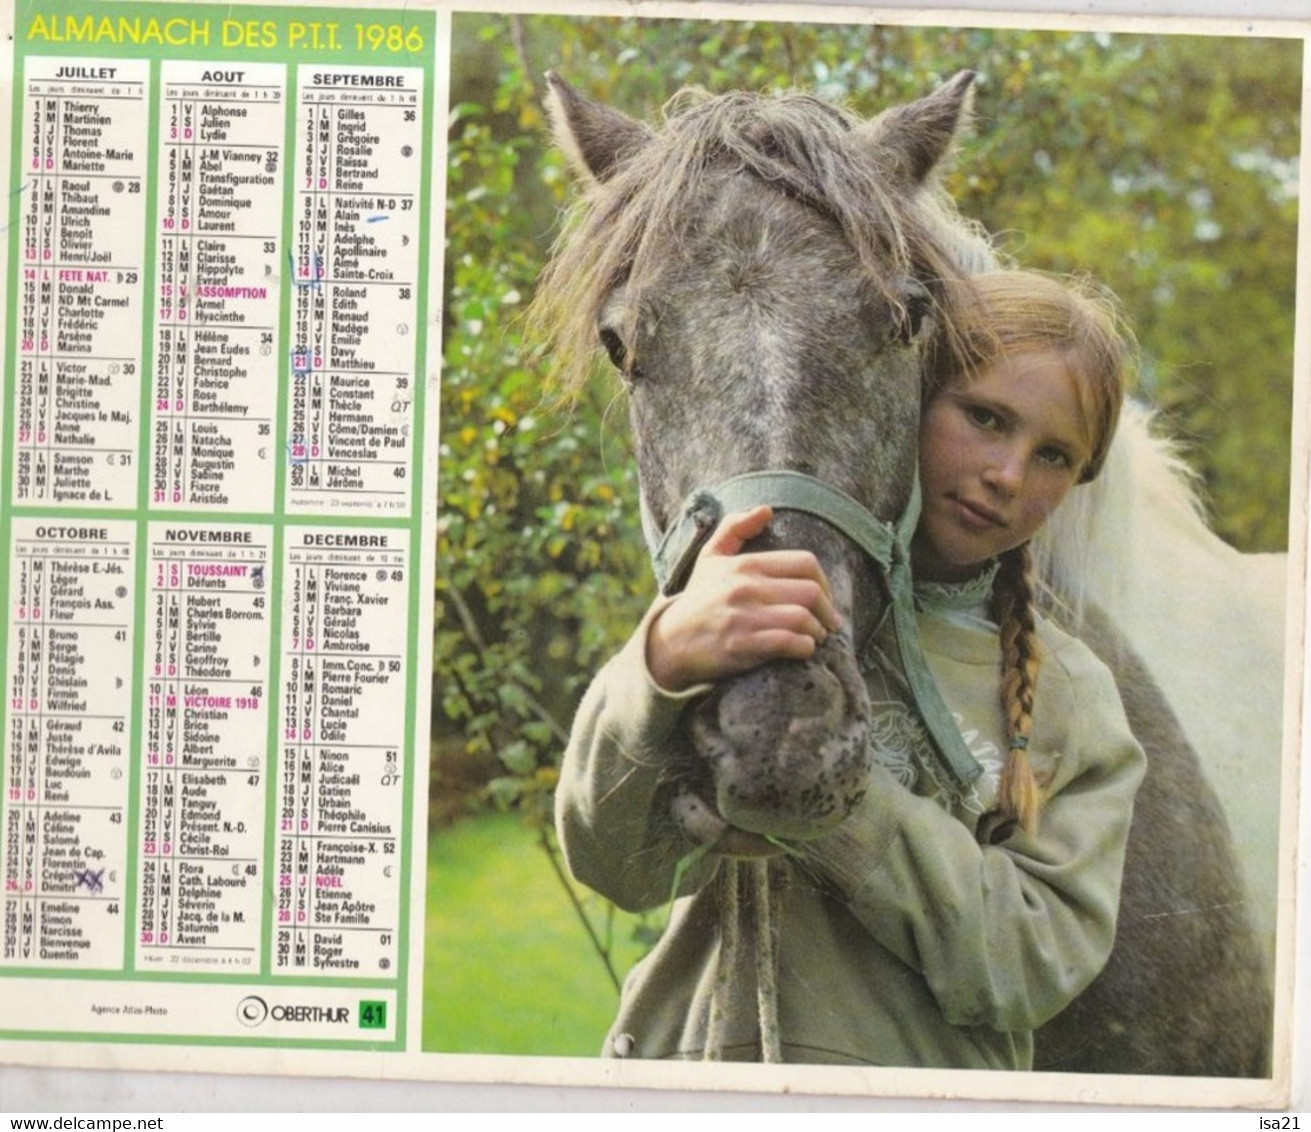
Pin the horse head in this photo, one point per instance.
(763, 273)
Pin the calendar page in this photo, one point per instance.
(223, 244)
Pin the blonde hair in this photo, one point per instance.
(997, 315)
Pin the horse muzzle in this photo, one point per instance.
(782, 749)
(785, 745)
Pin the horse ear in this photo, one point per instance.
(920, 134)
(595, 138)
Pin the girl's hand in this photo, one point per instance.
(739, 611)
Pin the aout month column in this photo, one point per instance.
(219, 273)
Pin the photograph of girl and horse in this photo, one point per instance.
(651, 299)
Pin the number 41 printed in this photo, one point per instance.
(373, 1015)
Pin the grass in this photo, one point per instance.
(508, 967)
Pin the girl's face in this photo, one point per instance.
(997, 454)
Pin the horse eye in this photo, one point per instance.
(619, 355)
(918, 309)
(614, 346)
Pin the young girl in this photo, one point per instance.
(935, 927)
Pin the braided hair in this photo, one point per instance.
(1005, 313)
(1019, 795)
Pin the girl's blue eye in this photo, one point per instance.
(1055, 457)
(985, 418)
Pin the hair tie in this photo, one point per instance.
(1019, 742)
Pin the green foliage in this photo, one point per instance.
(1165, 167)
(539, 559)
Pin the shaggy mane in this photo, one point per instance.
(625, 226)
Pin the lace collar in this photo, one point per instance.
(970, 596)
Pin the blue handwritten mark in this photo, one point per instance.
(94, 880)
(376, 219)
(17, 193)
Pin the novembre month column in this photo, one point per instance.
(202, 787)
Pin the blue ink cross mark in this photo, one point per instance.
(94, 881)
